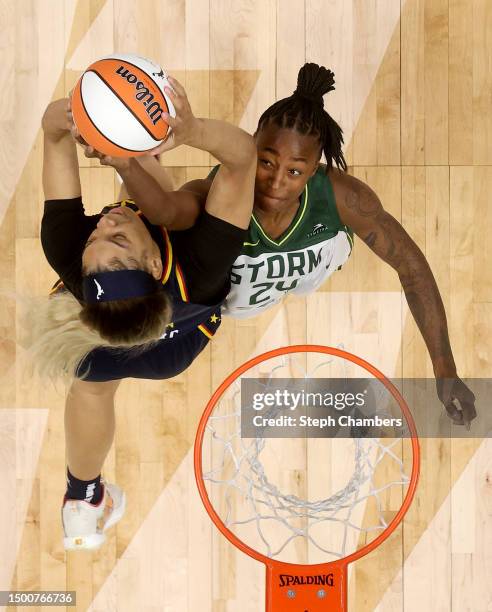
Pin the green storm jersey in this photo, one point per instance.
(315, 244)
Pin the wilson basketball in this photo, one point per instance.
(117, 105)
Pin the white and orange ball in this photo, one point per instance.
(117, 105)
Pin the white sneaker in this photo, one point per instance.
(84, 523)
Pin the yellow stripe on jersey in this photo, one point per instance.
(169, 256)
(292, 230)
(181, 283)
(58, 285)
(203, 329)
(126, 202)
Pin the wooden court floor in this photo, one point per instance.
(413, 92)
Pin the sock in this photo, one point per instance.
(89, 490)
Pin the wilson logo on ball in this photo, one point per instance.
(154, 108)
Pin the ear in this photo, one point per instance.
(155, 265)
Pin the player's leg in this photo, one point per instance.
(91, 505)
(89, 426)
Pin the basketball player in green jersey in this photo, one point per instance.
(304, 217)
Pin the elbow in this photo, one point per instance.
(159, 220)
(45, 117)
(252, 150)
(249, 154)
(49, 114)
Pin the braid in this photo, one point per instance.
(303, 111)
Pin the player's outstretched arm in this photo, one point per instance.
(363, 212)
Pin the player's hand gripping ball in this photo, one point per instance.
(120, 107)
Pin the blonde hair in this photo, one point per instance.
(56, 340)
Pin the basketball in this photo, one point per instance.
(117, 105)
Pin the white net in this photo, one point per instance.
(303, 500)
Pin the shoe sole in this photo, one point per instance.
(96, 540)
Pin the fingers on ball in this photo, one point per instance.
(171, 121)
(178, 88)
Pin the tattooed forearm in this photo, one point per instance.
(425, 303)
(362, 210)
(394, 245)
(426, 306)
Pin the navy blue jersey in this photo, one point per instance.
(179, 261)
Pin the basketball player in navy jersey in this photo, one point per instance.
(116, 261)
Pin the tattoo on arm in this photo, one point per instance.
(370, 239)
(361, 199)
(390, 241)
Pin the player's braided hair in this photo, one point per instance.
(303, 111)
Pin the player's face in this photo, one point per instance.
(286, 161)
(119, 233)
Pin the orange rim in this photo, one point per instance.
(305, 348)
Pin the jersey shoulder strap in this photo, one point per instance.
(323, 201)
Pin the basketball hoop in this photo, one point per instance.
(234, 478)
